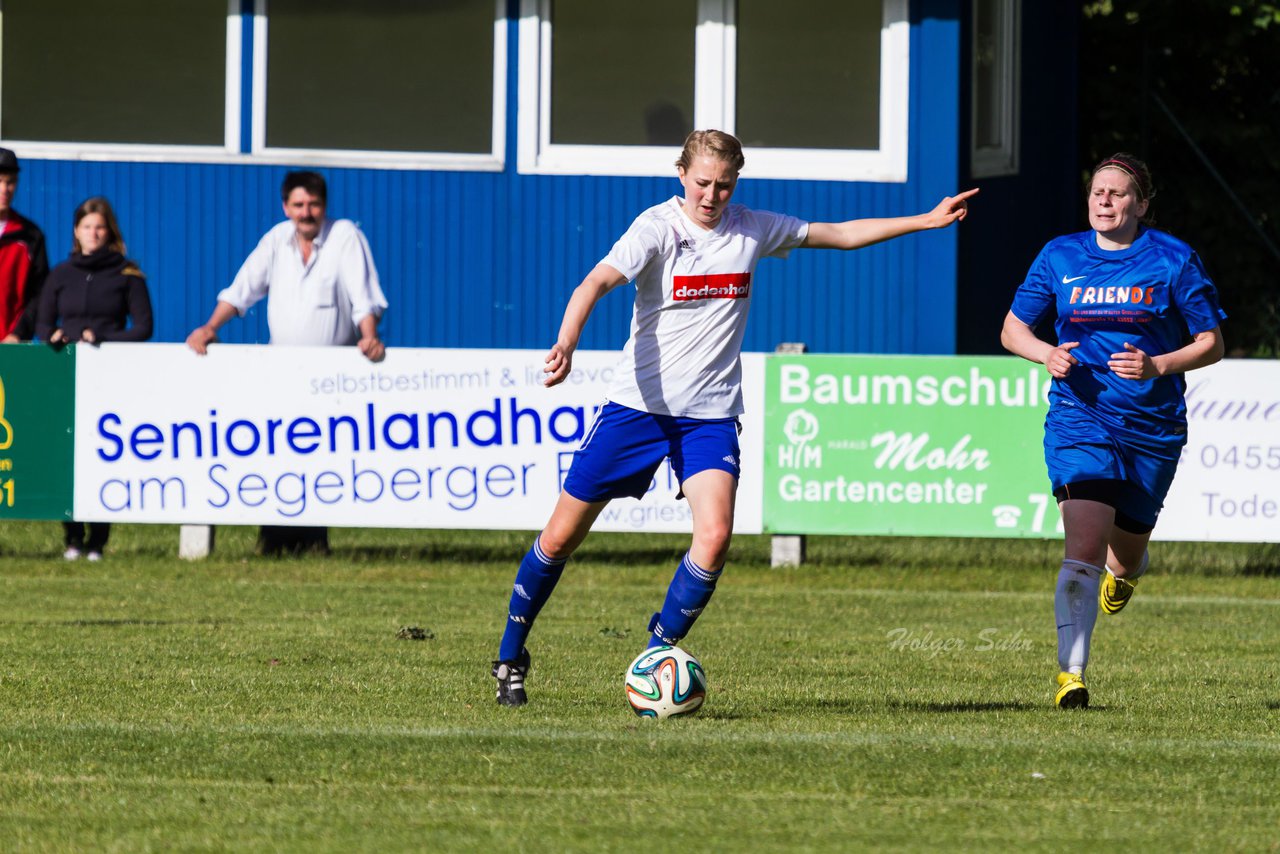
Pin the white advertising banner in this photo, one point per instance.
(471, 439)
(1228, 483)
(321, 436)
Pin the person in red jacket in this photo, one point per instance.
(23, 262)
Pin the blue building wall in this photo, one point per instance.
(1017, 214)
(488, 259)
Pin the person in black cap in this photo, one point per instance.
(23, 262)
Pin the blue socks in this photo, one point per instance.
(688, 594)
(536, 578)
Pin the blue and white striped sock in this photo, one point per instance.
(535, 580)
(689, 592)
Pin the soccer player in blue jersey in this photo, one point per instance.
(678, 387)
(1128, 300)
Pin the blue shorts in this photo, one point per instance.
(1078, 449)
(624, 448)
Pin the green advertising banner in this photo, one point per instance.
(37, 404)
(906, 445)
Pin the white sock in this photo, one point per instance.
(1075, 605)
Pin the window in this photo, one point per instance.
(815, 89)
(994, 115)
(124, 74)
(622, 79)
(391, 81)
(780, 57)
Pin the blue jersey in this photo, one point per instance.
(1150, 295)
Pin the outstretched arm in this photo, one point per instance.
(857, 233)
(598, 282)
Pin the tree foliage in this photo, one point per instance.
(1193, 87)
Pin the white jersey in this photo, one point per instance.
(693, 289)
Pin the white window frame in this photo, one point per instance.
(993, 161)
(715, 75)
(163, 153)
(491, 161)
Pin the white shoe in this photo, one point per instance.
(72, 553)
(93, 557)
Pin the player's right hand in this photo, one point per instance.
(559, 363)
(200, 339)
(1060, 361)
(952, 209)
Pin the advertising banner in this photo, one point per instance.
(935, 446)
(1228, 483)
(321, 436)
(37, 398)
(952, 446)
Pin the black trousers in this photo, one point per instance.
(73, 535)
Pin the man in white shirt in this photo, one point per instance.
(324, 291)
(319, 273)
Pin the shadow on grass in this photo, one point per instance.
(488, 553)
(861, 707)
(33, 553)
(966, 706)
(85, 624)
(710, 715)
(1264, 561)
(148, 623)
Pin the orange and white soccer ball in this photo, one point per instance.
(665, 681)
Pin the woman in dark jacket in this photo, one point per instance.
(95, 295)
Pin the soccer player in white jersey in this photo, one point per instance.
(678, 389)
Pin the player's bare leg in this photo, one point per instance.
(1126, 563)
(1126, 551)
(711, 494)
(570, 522)
(1088, 526)
(712, 497)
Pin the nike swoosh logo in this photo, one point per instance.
(1067, 281)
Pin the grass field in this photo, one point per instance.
(891, 694)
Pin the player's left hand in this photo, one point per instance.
(373, 349)
(1132, 364)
